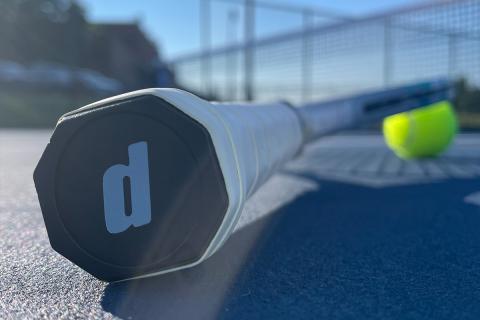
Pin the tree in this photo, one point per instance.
(467, 97)
(42, 30)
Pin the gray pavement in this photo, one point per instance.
(346, 230)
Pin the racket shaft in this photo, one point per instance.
(325, 118)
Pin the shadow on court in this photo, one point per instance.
(342, 251)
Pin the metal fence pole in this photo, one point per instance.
(205, 38)
(249, 49)
(387, 53)
(231, 69)
(307, 56)
(452, 55)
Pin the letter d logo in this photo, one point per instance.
(116, 217)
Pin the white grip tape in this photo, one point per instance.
(251, 141)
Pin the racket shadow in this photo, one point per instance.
(339, 250)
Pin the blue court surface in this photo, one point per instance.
(345, 231)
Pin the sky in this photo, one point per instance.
(174, 24)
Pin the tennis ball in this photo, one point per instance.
(421, 133)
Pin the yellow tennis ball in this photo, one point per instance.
(421, 133)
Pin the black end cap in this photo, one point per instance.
(188, 198)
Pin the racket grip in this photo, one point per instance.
(251, 141)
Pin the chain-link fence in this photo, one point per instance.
(439, 39)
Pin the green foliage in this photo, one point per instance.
(467, 98)
(38, 108)
(467, 104)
